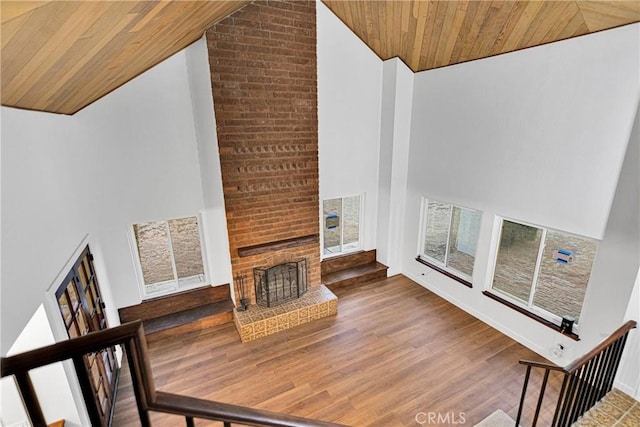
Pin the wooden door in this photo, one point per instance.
(82, 309)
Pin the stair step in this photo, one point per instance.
(174, 314)
(175, 303)
(355, 275)
(196, 318)
(347, 261)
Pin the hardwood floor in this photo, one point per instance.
(394, 350)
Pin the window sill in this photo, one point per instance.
(175, 291)
(324, 256)
(531, 315)
(445, 272)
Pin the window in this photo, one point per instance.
(449, 239)
(169, 254)
(543, 270)
(341, 228)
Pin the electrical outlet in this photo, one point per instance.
(558, 350)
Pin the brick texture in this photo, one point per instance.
(263, 73)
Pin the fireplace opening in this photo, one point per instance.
(280, 283)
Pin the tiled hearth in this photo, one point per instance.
(257, 322)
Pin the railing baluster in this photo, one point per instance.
(87, 391)
(609, 373)
(586, 378)
(541, 397)
(582, 407)
(568, 401)
(524, 392)
(136, 380)
(579, 395)
(560, 401)
(607, 355)
(597, 373)
(597, 370)
(30, 400)
(619, 348)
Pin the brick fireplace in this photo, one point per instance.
(280, 283)
(263, 72)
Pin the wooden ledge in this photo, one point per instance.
(531, 315)
(445, 272)
(173, 303)
(278, 245)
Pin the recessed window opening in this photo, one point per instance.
(341, 225)
(542, 270)
(449, 238)
(169, 255)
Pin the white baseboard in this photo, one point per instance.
(627, 389)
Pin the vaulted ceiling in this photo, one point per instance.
(60, 56)
(432, 34)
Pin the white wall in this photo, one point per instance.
(537, 135)
(144, 164)
(618, 258)
(397, 94)
(214, 214)
(45, 213)
(349, 102)
(552, 120)
(46, 190)
(385, 159)
(142, 153)
(628, 378)
(130, 157)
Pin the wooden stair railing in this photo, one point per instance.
(585, 381)
(131, 336)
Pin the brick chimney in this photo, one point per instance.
(263, 72)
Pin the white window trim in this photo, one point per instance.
(495, 246)
(424, 210)
(142, 288)
(360, 227)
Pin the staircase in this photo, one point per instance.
(182, 312)
(351, 270)
(616, 408)
(131, 337)
(585, 382)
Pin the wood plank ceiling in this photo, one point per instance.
(432, 34)
(60, 56)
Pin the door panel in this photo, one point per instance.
(82, 310)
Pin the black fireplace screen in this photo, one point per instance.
(280, 283)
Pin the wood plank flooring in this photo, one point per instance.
(393, 351)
